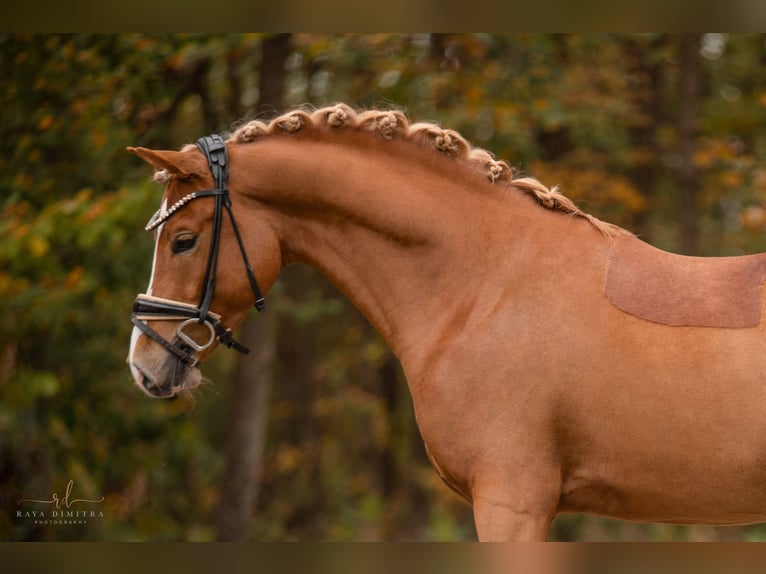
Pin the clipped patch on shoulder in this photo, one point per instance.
(679, 290)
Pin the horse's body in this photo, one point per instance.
(535, 393)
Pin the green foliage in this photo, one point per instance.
(69, 274)
(597, 114)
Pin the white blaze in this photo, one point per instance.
(136, 331)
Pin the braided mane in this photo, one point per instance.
(390, 124)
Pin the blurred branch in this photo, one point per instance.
(252, 380)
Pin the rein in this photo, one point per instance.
(149, 308)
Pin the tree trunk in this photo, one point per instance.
(250, 387)
(688, 178)
(271, 83)
(647, 94)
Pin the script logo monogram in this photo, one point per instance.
(65, 502)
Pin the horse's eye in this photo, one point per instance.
(184, 243)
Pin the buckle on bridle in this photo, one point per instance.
(149, 308)
(188, 338)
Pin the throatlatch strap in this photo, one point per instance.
(260, 301)
(214, 149)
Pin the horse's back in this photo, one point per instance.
(678, 290)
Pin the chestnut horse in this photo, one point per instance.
(557, 364)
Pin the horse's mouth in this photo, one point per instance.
(180, 379)
(150, 386)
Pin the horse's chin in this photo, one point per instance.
(173, 378)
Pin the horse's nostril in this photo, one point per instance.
(140, 377)
(143, 379)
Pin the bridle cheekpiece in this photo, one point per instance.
(149, 308)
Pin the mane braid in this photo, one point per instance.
(390, 124)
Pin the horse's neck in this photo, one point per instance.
(407, 236)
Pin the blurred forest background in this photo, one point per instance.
(312, 437)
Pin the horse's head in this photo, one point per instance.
(202, 283)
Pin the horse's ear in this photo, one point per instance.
(174, 162)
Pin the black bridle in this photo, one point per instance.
(149, 308)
